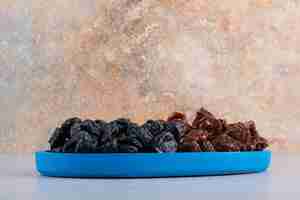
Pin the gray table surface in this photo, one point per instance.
(19, 180)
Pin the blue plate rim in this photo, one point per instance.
(151, 153)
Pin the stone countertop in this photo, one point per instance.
(19, 180)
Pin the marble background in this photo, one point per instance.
(146, 58)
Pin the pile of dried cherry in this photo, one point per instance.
(206, 133)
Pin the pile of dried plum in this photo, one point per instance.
(175, 134)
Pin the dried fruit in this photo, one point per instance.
(177, 116)
(178, 125)
(67, 125)
(132, 140)
(62, 134)
(207, 146)
(214, 134)
(260, 143)
(144, 135)
(82, 142)
(207, 133)
(57, 139)
(164, 142)
(91, 127)
(197, 135)
(177, 128)
(154, 126)
(108, 147)
(125, 148)
(189, 147)
(226, 143)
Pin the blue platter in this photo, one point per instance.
(151, 164)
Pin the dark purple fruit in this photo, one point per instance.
(164, 142)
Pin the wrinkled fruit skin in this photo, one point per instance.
(205, 134)
(212, 134)
(191, 146)
(154, 126)
(82, 142)
(118, 136)
(165, 142)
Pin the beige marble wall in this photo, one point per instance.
(145, 58)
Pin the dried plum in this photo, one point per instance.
(100, 122)
(155, 127)
(57, 139)
(76, 128)
(141, 134)
(60, 135)
(67, 125)
(110, 146)
(164, 142)
(176, 128)
(106, 135)
(122, 124)
(132, 140)
(82, 142)
(91, 127)
(145, 136)
(125, 148)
